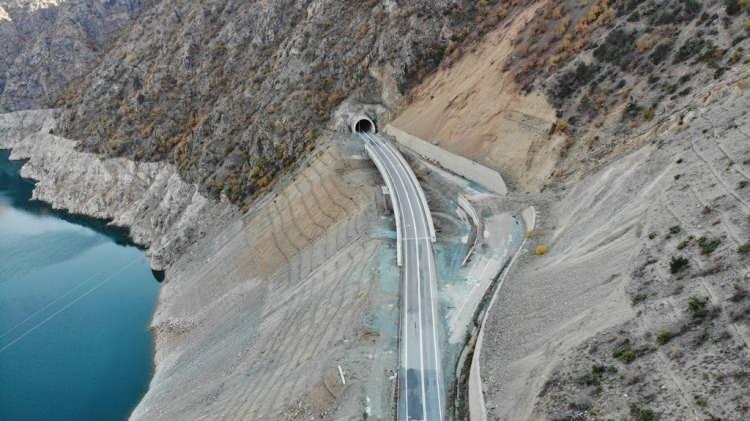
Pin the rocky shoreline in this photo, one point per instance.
(164, 214)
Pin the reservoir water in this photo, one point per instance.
(76, 300)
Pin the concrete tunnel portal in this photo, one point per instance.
(364, 125)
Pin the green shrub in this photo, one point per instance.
(660, 53)
(632, 110)
(674, 229)
(640, 414)
(617, 48)
(572, 80)
(627, 356)
(697, 307)
(690, 48)
(743, 248)
(596, 373)
(648, 114)
(708, 246)
(678, 263)
(732, 7)
(663, 337)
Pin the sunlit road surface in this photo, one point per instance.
(421, 394)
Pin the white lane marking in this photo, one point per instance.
(341, 373)
(438, 368)
(430, 226)
(419, 296)
(430, 264)
(432, 278)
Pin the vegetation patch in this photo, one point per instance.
(663, 337)
(640, 413)
(625, 352)
(697, 307)
(617, 48)
(708, 246)
(572, 80)
(678, 264)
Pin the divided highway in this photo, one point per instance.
(421, 394)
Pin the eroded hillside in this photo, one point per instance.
(669, 244)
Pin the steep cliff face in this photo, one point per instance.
(47, 45)
(235, 92)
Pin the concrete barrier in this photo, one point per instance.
(484, 176)
(477, 407)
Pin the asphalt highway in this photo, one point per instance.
(421, 393)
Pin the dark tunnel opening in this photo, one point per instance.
(364, 125)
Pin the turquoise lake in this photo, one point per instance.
(76, 300)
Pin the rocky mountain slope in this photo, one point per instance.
(233, 93)
(47, 45)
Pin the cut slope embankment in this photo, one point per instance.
(475, 109)
(255, 322)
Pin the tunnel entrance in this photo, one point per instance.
(364, 125)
